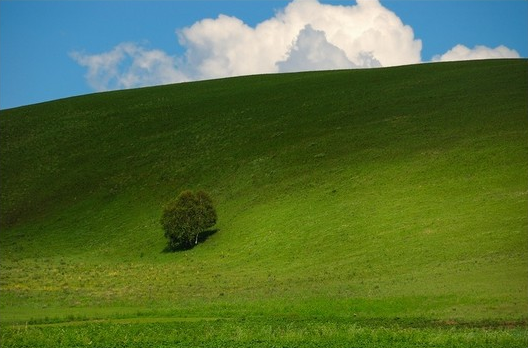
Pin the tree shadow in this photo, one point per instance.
(202, 237)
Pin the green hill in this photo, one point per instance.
(385, 193)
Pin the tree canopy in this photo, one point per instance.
(187, 216)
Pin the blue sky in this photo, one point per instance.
(57, 49)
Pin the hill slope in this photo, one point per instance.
(387, 192)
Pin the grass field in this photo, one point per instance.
(384, 207)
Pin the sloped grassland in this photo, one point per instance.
(367, 195)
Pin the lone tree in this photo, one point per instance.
(186, 217)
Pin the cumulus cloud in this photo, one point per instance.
(226, 46)
(312, 51)
(461, 52)
(305, 35)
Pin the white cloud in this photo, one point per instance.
(461, 52)
(312, 51)
(226, 46)
(129, 65)
(305, 35)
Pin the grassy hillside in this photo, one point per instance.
(386, 193)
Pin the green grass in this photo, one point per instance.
(344, 197)
(269, 332)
